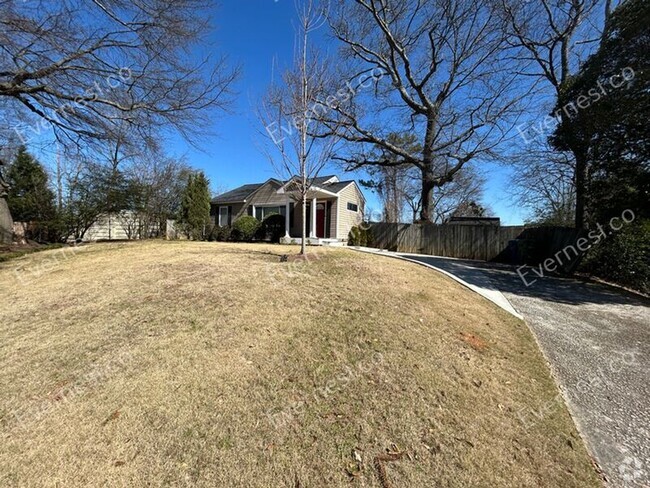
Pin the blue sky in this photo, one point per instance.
(254, 33)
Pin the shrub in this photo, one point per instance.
(272, 228)
(623, 258)
(224, 233)
(211, 233)
(219, 234)
(245, 228)
(359, 236)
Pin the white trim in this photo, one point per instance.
(338, 217)
(287, 218)
(312, 221)
(312, 188)
(266, 205)
(219, 216)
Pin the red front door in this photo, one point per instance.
(320, 220)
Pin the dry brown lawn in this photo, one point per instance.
(201, 364)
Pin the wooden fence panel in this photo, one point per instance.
(479, 242)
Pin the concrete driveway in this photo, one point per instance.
(597, 340)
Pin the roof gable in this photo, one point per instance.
(339, 186)
(329, 183)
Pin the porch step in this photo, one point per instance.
(331, 242)
(314, 241)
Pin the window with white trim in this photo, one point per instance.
(353, 207)
(262, 212)
(223, 216)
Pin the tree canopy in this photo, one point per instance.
(613, 129)
(86, 69)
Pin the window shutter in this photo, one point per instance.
(229, 215)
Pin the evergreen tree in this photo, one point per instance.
(29, 198)
(613, 129)
(195, 206)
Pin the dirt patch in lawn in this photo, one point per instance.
(200, 364)
(476, 342)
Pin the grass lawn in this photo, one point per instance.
(204, 364)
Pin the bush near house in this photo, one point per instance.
(245, 228)
(272, 228)
(359, 236)
(220, 234)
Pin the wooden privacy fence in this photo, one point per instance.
(514, 244)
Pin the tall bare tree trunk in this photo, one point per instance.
(580, 188)
(303, 245)
(428, 185)
(6, 223)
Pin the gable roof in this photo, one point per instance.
(340, 185)
(238, 194)
(322, 179)
(242, 193)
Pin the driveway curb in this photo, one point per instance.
(494, 296)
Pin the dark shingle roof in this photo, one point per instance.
(336, 187)
(339, 185)
(322, 179)
(243, 192)
(238, 194)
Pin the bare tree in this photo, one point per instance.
(466, 189)
(552, 38)
(390, 183)
(86, 68)
(438, 73)
(6, 222)
(393, 182)
(158, 182)
(543, 183)
(290, 115)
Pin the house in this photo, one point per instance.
(333, 207)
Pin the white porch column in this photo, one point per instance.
(312, 222)
(287, 218)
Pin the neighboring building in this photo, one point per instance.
(334, 207)
(125, 225)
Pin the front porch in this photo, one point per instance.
(313, 241)
(321, 220)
